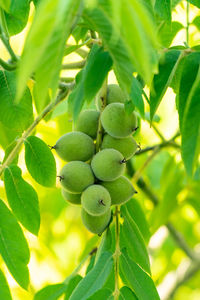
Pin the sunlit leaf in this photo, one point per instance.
(22, 199)
(168, 32)
(126, 293)
(4, 288)
(40, 161)
(13, 246)
(5, 4)
(136, 96)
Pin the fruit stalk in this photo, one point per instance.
(117, 253)
(100, 128)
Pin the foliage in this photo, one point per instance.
(72, 51)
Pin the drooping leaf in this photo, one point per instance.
(95, 279)
(136, 96)
(51, 292)
(167, 67)
(105, 245)
(131, 238)
(40, 161)
(137, 279)
(14, 116)
(13, 246)
(196, 22)
(137, 214)
(163, 9)
(48, 71)
(17, 16)
(171, 185)
(91, 79)
(5, 4)
(91, 264)
(22, 199)
(126, 293)
(72, 285)
(189, 111)
(4, 288)
(101, 294)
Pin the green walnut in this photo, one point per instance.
(72, 198)
(96, 224)
(117, 122)
(120, 190)
(127, 146)
(88, 122)
(75, 146)
(76, 176)
(96, 200)
(114, 94)
(108, 164)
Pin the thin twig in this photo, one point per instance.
(75, 65)
(7, 66)
(158, 132)
(6, 43)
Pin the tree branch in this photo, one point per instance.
(6, 43)
(7, 66)
(75, 65)
(61, 95)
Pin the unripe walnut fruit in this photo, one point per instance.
(96, 200)
(72, 198)
(108, 164)
(120, 190)
(127, 146)
(76, 176)
(88, 122)
(96, 224)
(117, 122)
(75, 145)
(114, 95)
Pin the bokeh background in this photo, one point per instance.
(63, 240)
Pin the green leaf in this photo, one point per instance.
(51, 292)
(196, 22)
(126, 293)
(168, 32)
(189, 111)
(40, 161)
(48, 71)
(101, 294)
(5, 4)
(131, 238)
(13, 246)
(91, 78)
(161, 81)
(171, 185)
(137, 214)
(4, 288)
(18, 116)
(8, 150)
(22, 199)
(72, 285)
(195, 2)
(136, 96)
(163, 9)
(45, 40)
(17, 16)
(105, 245)
(137, 279)
(95, 279)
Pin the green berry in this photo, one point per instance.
(120, 190)
(108, 164)
(126, 146)
(75, 146)
(76, 176)
(96, 224)
(114, 94)
(96, 200)
(117, 122)
(72, 198)
(88, 122)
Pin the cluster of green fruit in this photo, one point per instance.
(95, 179)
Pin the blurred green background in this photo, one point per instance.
(62, 236)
